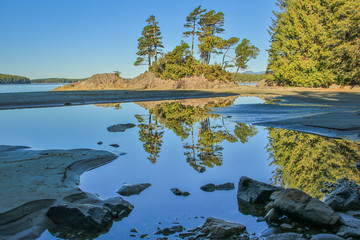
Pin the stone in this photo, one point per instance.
(178, 192)
(326, 236)
(286, 236)
(169, 231)
(343, 198)
(81, 216)
(299, 206)
(220, 229)
(226, 186)
(132, 189)
(208, 187)
(115, 145)
(271, 231)
(134, 230)
(255, 192)
(272, 216)
(100, 143)
(187, 234)
(118, 207)
(144, 235)
(350, 227)
(120, 127)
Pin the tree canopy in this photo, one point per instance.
(12, 79)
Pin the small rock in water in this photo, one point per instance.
(120, 127)
(178, 192)
(132, 235)
(169, 231)
(132, 189)
(144, 235)
(115, 145)
(208, 187)
(100, 143)
(326, 236)
(134, 230)
(226, 186)
(286, 236)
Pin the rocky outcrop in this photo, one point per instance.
(219, 229)
(300, 206)
(132, 189)
(107, 81)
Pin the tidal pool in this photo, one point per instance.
(180, 144)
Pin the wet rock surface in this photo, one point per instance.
(132, 189)
(120, 127)
(210, 187)
(286, 236)
(170, 231)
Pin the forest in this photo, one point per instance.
(56, 80)
(12, 79)
(315, 43)
(204, 28)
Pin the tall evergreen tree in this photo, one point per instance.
(211, 23)
(149, 44)
(226, 47)
(192, 22)
(244, 52)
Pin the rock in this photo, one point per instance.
(220, 229)
(100, 143)
(134, 230)
(286, 236)
(187, 234)
(246, 208)
(144, 235)
(169, 231)
(118, 207)
(326, 236)
(208, 187)
(178, 192)
(350, 228)
(132, 189)
(343, 198)
(255, 192)
(272, 216)
(271, 231)
(225, 186)
(114, 145)
(120, 127)
(303, 208)
(81, 216)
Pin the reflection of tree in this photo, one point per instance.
(151, 135)
(306, 161)
(244, 132)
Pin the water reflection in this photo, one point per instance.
(305, 161)
(201, 133)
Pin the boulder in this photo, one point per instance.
(85, 217)
(343, 198)
(303, 208)
(118, 207)
(178, 192)
(255, 192)
(220, 229)
(350, 228)
(132, 189)
(286, 236)
(120, 127)
(326, 236)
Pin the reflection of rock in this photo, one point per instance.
(120, 127)
(300, 206)
(219, 229)
(33, 180)
(246, 208)
(255, 192)
(210, 187)
(132, 189)
(171, 230)
(326, 236)
(286, 236)
(178, 192)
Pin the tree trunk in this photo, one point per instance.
(223, 60)
(193, 39)
(237, 70)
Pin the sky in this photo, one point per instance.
(79, 38)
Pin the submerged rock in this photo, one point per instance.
(178, 192)
(120, 127)
(212, 187)
(132, 189)
(301, 207)
(219, 229)
(169, 231)
(115, 145)
(252, 191)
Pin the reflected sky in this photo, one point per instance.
(39, 87)
(84, 126)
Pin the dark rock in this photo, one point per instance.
(169, 231)
(178, 192)
(144, 235)
(326, 236)
(303, 208)
(132, 235)
(350, 228)
(118, 207)
(246, 208)
(220, 229)
(120, 127)
(187, 234)
(81, 216)
(134, 230)
(132, 189)
(100, 143)
(272, 216)
(115, 145)
(286, 236)
(226, 186)
(255, 192)
(162, 238)
(343, 198)
(208, 187)
(271, 231)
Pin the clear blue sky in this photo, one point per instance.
(78, 38)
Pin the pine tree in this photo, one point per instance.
(192, 22)
(227, 46)
(149, 44)
(244, 52)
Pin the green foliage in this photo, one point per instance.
(245, 77)
(57, 80)
(305, 161)
(12, 79)
(244, 52)
(315, 43)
